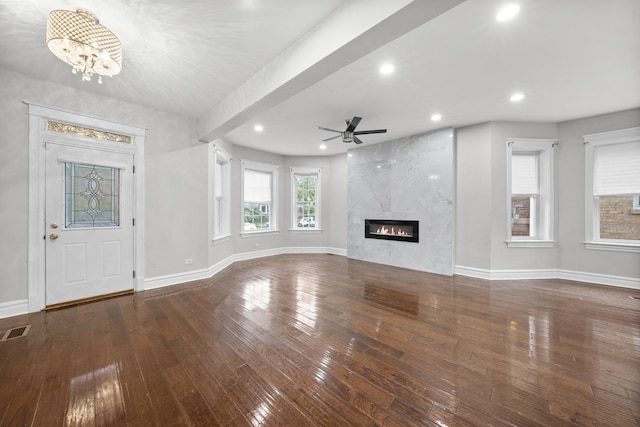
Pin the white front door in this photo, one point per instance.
(89, 223)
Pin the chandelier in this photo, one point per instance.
(79, 40)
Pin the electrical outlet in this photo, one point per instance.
(188, 261)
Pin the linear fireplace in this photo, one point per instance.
(404, 231)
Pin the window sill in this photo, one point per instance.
(221, 239)
(248, 234)
(305, 230)
(530, 243)
(616, 247)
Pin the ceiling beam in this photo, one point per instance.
(354, 30)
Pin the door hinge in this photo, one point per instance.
(134, 168)
(134, 221)
(134, 274)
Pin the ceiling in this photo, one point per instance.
(292, 64)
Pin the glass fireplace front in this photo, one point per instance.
(403, 231)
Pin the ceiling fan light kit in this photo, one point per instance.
(349, 134)
(78, 38)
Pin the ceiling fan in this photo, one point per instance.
(349, 134)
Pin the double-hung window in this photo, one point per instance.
(259, 196)
(305, 198)
(530, 192)
(221, 194)
(612, 190)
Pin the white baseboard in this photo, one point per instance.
(14, 308)
(174, 279)
(600, 279)
(578, 276)
(189, 276)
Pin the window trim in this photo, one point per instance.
(303, 170)
(592, 212)
(273, 218)
(545, 199)
(221, 212)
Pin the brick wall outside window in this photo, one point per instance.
(618, 219)
(520, 215)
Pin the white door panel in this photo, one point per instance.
(89, 208)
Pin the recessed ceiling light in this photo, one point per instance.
(436, 117)
(516, 97)
(258, 128)
(507, 12)
(387, 69)
(323, 146)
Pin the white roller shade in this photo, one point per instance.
(616, 169)
(524, 174)
(257, 186)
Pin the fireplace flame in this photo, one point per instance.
(392, 231)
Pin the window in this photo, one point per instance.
(259, 196)
(221, 194)
(92, 196)
(612, 190)
(305, 198)
(530, 192)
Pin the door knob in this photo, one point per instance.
(53, 236)
(54, 225)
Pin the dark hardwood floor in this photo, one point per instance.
(322, 340)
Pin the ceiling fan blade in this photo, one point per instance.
(357, 140)
(353, 124)
(330, 130)
(366, 132)
(333, 137)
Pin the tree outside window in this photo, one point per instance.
(259, 196)
(305, 184)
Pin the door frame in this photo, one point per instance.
(38, 136)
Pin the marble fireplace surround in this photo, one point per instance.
(406, 178)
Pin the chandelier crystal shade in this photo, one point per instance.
(78, 38)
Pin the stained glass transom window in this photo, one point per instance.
(91, 133)
(92, 196)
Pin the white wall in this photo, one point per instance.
(502, 257)
(481, 199)
(481, 202)
(571, 185)
(176, 168)
(473, 196)
(336, 197)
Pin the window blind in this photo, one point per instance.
(524, 174)
(616, 169)
(257, 187)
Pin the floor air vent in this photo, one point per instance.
(19, 332)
